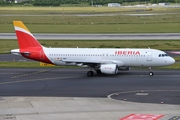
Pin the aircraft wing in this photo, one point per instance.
(82, 61)
(96, 62)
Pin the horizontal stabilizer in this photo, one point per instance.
(17, 52)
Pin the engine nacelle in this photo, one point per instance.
(109, 69)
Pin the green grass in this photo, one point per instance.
(60, 10)
(86, 20)
(70, 10)
(177, 59)
(103, 28)
(19, 64)
(54, 20)
(174, 66)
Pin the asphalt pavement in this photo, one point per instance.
(139, 36)
(68, 94)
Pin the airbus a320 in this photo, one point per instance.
(102, 61)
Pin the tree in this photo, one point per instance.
(46, 3)
(2, 2)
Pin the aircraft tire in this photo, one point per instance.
(151, 73)
(90, 73)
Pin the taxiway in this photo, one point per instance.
(68, 94)
(73, 82)
(139, 36)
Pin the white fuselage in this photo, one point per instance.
(121, 57)
(107, 61)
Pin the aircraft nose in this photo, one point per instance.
(171, 61)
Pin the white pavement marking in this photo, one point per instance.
(31, 80)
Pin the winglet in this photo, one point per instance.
(24, 36)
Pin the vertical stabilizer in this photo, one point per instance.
(29, 47)
(24, 36)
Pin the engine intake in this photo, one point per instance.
(109, 69)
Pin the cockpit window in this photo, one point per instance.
(163, 55)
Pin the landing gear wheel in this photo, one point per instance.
(90, 73)
(151, 73)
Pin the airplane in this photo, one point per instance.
(100, 60)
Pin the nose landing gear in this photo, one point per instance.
(150, 72)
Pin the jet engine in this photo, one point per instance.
(109, 69)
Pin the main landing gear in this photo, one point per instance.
(90, 73)
(150, 72)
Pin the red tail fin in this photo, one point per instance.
(24, 36)
(28, 44)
